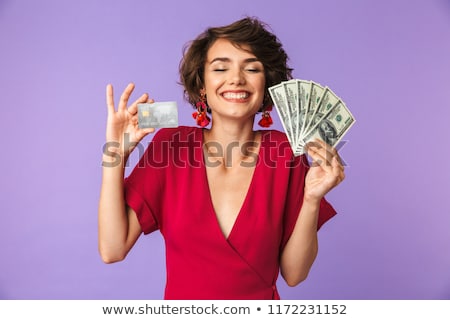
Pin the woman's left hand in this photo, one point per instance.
(326, 170)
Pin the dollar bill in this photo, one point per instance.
(304, 91)
(333, 126)
(291, 90)
(158, 115)
(278, 95)
(328, 100)
(310, 111)
(314, 102)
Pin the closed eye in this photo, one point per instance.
(253, 70)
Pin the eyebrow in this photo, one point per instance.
(221, 59)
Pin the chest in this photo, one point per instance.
(207, 209)
(243, 205)
(228, 189)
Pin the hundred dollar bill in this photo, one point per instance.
(328, 100)
(291, 90)
(278, 96)
(304, 91)
(308, 110)
(314, 102)
(158, 115)
(333, 126)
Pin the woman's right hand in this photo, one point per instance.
(122, 130)
(118, 226)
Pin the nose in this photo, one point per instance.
(237, 77)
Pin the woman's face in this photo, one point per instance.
(234, 80)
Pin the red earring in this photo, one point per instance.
(200, 116)
(266, 120)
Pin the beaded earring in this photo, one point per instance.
(201, 116)
(266, 120)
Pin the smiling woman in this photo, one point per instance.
(232, 224)
(249, 35)
(233, 81)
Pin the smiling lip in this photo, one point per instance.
(236, 95)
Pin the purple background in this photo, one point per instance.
(389, 60)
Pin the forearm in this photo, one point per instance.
(118, 225)
(302, 247)
(112, 217)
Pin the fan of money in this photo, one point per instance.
(309, 111)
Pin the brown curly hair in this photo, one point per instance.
(248, 31)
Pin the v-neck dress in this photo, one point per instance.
(168, 189)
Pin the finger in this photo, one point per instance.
(339, 162)
(135, 120)
(110, 98)
(316, 145)
(143, 132)
(125, 96)
(142, 99)
(319, 159)
(318, 148)
(338, 169)
(330, 150)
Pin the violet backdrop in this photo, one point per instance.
(389, 61)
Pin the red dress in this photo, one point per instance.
(169, 191)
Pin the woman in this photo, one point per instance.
(235, 207)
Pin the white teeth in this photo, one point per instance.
(235, 95)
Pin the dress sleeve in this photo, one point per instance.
(294, 199)
(143, 187)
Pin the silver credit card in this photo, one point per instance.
(158, 115)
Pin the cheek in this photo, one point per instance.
(212, 83)
(262, 89)
(262, 84)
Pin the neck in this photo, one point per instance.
(230, 141)
(231, 132)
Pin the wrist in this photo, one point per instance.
(113, 155)
(311, 200)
